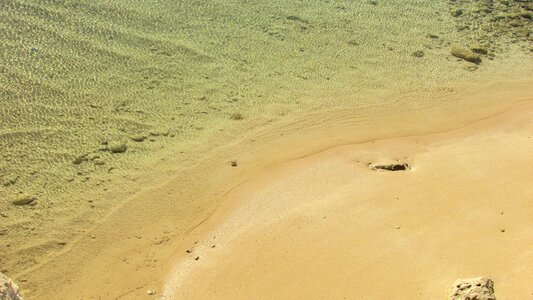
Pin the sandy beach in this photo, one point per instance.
(264, 149)
(311, 218)
(333, 225)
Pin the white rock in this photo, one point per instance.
(475, 288)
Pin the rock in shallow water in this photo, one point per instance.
(466, 55)
(8, 289)
(117, 147)
(475, 288)
(23, 200)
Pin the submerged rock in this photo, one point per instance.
(236, 116)
(475, 288)
(466, 55)
(480, 49)
(78, 160)
(418, 53)
(8, 289)
(23, 200)
(138, 138)
(117, 147)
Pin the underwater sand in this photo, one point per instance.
(78, 75)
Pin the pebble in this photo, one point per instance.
(233, 163)
(23, 200)
(78, 160)
(150, 293)
(117, 147)
(418, 53)
(138, 138)
(236, 116)
(466, 55)
(457, 13)
(99, 162)
(397, 227)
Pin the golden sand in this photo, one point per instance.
(265, 217)
(181, 89)
(329, 226)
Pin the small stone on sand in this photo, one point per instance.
(150, 293)
(233, 163)
(475, 288)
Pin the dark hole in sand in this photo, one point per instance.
(391, 167)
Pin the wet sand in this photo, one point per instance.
(183, 88)
(266, 215)
(332, 225)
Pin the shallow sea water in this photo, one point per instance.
(75, 75)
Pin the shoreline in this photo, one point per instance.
(142, 240)
(127, 128)
(296, 229)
